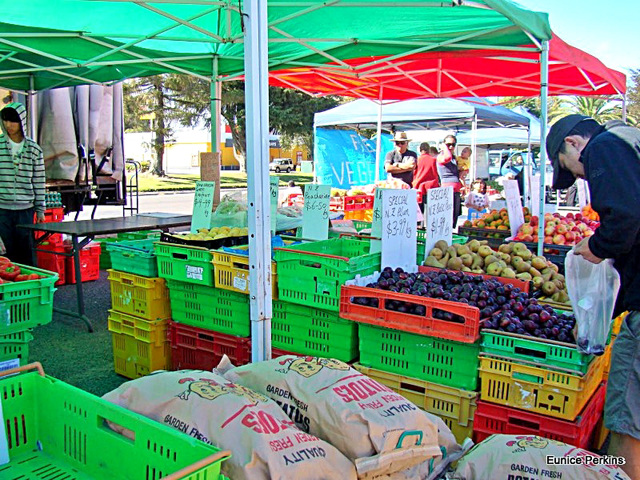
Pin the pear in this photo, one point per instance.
(546, 277)
(489, 260)
(553, 267)
(526, 276)
(534, 272)
(462, 250)
(506, 248)
(502, 263)
(478, 262)
(432, 261)
(508, 273)
(445, 259)
(546, 271)
(549, 288)
(525, 254)
(559, 284)
(436, 252)
(516, 260)
(523, 267)
(505, 256)
(455, 263)
(494, 269)
(560, 277)
(467, 259)
(519, 247)
(452, 252)
(560, 297)
(484, 251)
(537, 282)
(478, 270)
(466, 269)
(442, 245)
(539, 263)
(473, 245)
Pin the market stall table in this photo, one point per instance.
(88, 229)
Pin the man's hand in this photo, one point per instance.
(40, 217)
(582, 249)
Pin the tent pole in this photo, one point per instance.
(216, 105)
(528, 172)
(624, 107)
(257, 131)
(474, 139)
(31, 100)
(378, 138)
(544, 91)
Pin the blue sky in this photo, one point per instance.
(607, 29)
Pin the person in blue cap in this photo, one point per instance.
(22, 184)
(608, 157)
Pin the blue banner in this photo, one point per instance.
(343, 158)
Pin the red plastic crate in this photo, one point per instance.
(523, 285)
(491, 418)
(52, 215)
(54, 262)
(358, 202)
(467, 331)
(200, 349)
(89, 264)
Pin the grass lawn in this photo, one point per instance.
(151, 183)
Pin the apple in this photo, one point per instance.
(582, 227)
(559, 239)
(556, 215)
(548, 216)
(587, 233)
(534, 221)
(561, 229)
(578, 216)
(548, 239)
(570, 236)
(526, 229)
(535, 238)
(570, 215)
(549, 230)
(527, 238)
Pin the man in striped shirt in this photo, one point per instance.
(22, 183)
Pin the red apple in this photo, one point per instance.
(534, 221)
(549, 230)
(561, 229)
(526, 229)
(527, 238)
(535, 238)
(570, 236)
(570, 215)
(559, 239)
(578, 216)
(548, 239)
(556, 215)
(587, 233)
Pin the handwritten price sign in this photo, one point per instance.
(202, 205)
(438, 216)
(514, 205)
(315, 215)
(399, 228)
(273, 193)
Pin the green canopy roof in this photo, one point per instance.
(70, 42)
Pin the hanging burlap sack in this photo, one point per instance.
(381, 431)
(264, 442)
(507, 457)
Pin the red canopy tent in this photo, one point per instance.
(481, 73)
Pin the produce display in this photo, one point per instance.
(495, 220)
(511, 260)
(558, 230)
(214, 233)
(9, 272)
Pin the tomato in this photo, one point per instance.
(34, 276)
(4, 260)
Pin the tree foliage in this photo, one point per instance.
(557, 107)
(633, 97)
(601, 109)
(186, 101)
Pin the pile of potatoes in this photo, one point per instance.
(512, 260)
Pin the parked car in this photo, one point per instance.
(281, 165)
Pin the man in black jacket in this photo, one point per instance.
(608, 157)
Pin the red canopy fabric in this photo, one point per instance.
(480, 73)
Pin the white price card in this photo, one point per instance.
(438, 217)
(376, 221)
(202, 206)
(399, 228)
(535, 195)
(514, 205)
(315, 215)
(274, 183)
(583, 198)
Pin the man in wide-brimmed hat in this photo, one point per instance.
(608, 157)
(401, 162)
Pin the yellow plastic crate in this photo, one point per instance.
(143, 297)
(133, 357)
(365, 215)
(617, 323)
(154, 332)
(607, 360)
(454, 406)
(541, 390)
(231, 272)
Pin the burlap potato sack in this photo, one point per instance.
(507, 457)
(264, 442)
(381, 431)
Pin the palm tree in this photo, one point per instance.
(601, 109)
(556, 106)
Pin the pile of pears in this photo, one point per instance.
(512, 260)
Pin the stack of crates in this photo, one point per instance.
(24, 305)
(54, 261)
(105, 255)
(210, 316)
(536, 387)
(358, 207)
(140, 309)
(305, 315)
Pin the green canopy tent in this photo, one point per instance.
(55, 43)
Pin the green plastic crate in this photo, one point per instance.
(537, 351)
(311, 274)
(14, 346)
(311, 331)
(58, 431)
(432, 359)
(215, 309)
(105, 255)
(146, 234)
(134, 256)
(185, 263)
(25, 305)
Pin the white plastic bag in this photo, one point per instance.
(593, 290)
